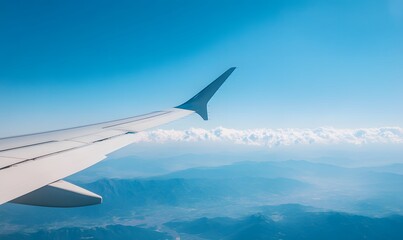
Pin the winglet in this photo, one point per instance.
(198, 103)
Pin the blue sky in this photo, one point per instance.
(301, 64)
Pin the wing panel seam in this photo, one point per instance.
(137, 120)
(65, 150)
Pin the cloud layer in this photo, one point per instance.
(278, 137)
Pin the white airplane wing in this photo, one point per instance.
(32, 166)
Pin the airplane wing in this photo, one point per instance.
(32, 166)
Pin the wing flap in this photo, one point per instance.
(59, 194)
(28, 176)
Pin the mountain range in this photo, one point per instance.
(280, 199)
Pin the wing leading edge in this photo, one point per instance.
(32, 166)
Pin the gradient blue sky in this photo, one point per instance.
(306, 63)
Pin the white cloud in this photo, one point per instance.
(277, 137)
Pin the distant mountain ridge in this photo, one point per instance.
(107, 232)
(288, 222)
(291, 222)
(229, 192)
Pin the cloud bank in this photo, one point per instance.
(278, 137)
